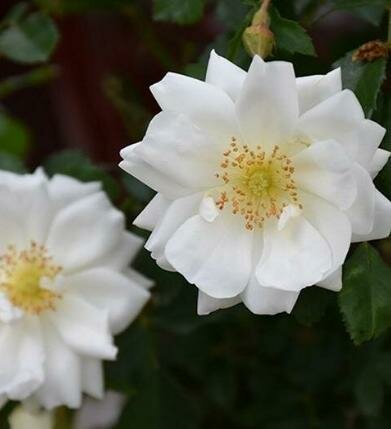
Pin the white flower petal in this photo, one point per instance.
(65, 190)
(216, 256)
(172, 140)
(12, 230)
(361, 213)
(207, 106)
(332, 224)
(378, 161)
(365, 142)
(382, 220)
(84, 232)
(138, 278)
(62, 384)
(144, 172)
(312, 90)
(263, 300)
(225, 75)
(84, 328)
(289, 212)
(177, 213)
(102, 414)
(149, 217)
(108, 290)
(267, 106)
(25, 194)
(333, 118)
(333, 281)
(294, 258)
(92, 378)
(8, 312)
(208, 209)
(207, 304)
(325, 170)
(122, 254)
(21, 360)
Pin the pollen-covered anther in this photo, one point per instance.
(22, 274)
(256, 184)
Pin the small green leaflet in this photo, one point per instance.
(364, 79)
(29, 40)
(365, 299)
(178, 11)
(290, 36)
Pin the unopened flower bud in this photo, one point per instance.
(258, 39)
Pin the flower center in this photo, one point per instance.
(256, 184)
(22, 276)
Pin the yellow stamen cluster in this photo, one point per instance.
(256, 184)
(21, 277)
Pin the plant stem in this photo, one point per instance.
(265, 5)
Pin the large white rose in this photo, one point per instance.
(65, 287)
(263, 181)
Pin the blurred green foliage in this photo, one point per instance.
(231, 369)
(179, 11)
(27, 38)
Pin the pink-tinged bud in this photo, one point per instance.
(258, 39)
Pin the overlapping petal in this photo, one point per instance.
(225, 75)
(77, 225)
(84, 328)
(267, 106)
(314, 89)
(324, 170)
(207, 106)
(216, 256)
(166, 143)
(294, 258)
(123, 300)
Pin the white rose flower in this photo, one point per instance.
(263, 181)
(65, 287)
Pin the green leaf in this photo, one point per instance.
(290, 35)
(10, 162)
(30, 40)
(231, 13)
(74, 163)
(178, 11)
(364, 79)
(14, 137)
(365, 299)
(311, 305)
